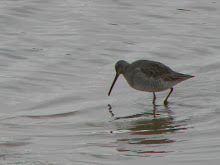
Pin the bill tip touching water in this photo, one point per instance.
(149, 76)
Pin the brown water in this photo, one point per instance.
(57, 65)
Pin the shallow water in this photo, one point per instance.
(57, 65)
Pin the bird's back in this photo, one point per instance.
(151, 75)
(151, 68)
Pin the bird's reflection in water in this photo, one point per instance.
(153, 129)
(110, 110)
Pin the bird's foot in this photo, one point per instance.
(165, 103)
(155, 105)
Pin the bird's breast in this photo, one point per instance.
(139, 81)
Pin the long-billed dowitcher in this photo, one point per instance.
(149, 76)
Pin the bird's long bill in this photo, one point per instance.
(113, 83)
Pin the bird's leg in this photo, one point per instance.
(154, 99)
(165, 101)
(154, 112)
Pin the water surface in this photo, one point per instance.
(57, 65)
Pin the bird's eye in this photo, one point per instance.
(116, 67)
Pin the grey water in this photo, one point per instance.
(57, 64)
